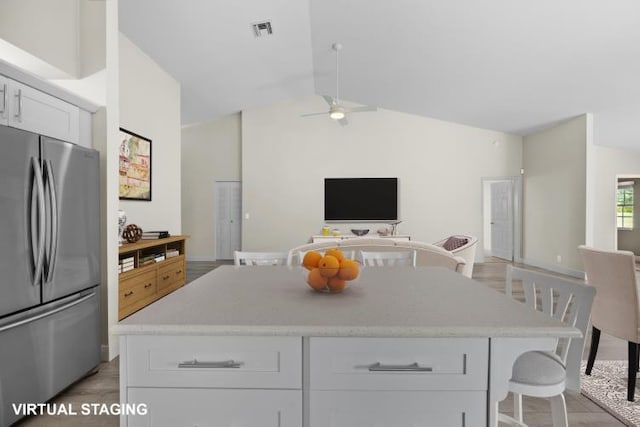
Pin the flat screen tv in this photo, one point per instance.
(361, 199)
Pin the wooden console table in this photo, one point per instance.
(150, 280)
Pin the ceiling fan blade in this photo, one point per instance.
(343, 121)
(362, 109)
(314, 114)
(329, 99)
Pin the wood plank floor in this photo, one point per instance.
(103, 386)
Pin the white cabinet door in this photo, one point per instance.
(398, 409)
(37, 112)
(4, 100)
(211, 407)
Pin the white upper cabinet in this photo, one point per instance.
(38, 112)
(4, 100)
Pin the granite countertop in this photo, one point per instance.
(383, 302)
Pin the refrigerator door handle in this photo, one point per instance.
(18, 114)
(46, 314)
(39, 258)
(53, 203)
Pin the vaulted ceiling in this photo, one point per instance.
(509, 65)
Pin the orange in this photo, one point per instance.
(336, 253)
(349, 269)
(329, 266)
(311, 259)
(316, 280)
(336, 284)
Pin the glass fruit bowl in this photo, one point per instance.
(330, 272)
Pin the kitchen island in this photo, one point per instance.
(255, 346)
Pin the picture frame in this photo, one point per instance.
(134, 166)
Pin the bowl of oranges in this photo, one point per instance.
(329, 272)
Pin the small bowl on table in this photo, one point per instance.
(360, 231)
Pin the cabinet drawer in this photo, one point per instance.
(398, 408)
(202, 407)
(137, 288)
(399, 363)
(171, 272)
(220, 362)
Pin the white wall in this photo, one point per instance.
(554, 219)
(46, 29)
(285, 159)
(210, 152)
(150, 106)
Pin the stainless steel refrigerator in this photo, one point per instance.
(49, 267)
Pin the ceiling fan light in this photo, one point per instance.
(337, 115)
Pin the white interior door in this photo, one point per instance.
(228, 209)
(502, 220)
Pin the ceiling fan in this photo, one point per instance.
(337, 111)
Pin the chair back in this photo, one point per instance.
(427, 254)
(613, 274)
(566, 300)
(388, 259)
(259, 258)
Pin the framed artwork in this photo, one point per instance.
(134, 166)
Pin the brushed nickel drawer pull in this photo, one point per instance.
(128, 294)
(413, 367)
(210, 365)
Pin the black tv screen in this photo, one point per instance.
(361, 199)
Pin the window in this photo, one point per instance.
(625, 205)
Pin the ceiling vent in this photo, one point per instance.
(262, 29)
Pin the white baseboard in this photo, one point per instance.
(554, 267)
(200, 258)
(104, 353)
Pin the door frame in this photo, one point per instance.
(516, 186)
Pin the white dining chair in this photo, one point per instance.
(388, 258)
(542, 373)
(241, 258)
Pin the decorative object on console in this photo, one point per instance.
(135, 166)
(122, 221)
(132, 233)
(149, 235)
(359, 231)
(384, 231)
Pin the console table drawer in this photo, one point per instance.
(214, 362)
(137, 288)
(399, 363)
(171, 272)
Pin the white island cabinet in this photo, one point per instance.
(247, 346)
